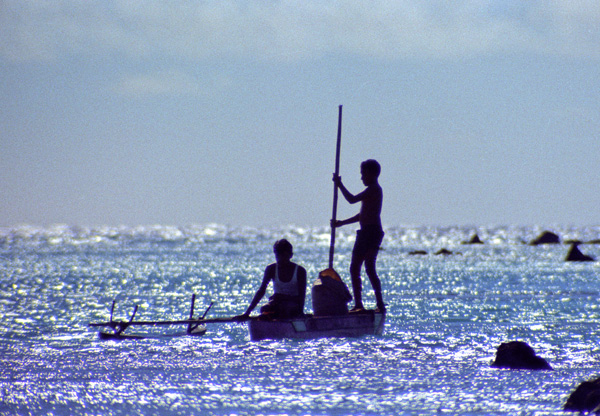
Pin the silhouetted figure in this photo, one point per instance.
(545, 237)
(370, 235)
(585, 398)
(289, 285)
(518, 355)
(575, 254)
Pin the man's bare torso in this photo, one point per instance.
(371, 203)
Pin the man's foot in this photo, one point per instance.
(357, 309)
(380, 309)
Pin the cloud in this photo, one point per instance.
(296, 30)
(164, 83)
(172, 82)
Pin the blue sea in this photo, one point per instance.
(447, 314)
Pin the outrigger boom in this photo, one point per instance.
(195, 326)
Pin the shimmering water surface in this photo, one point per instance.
(446, 317)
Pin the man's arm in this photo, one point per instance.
(351, 220)
(352, 199)
(302, 284)
(259, 293)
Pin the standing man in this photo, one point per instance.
(370, 235)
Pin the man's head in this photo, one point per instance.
(283, 248)
(370, 170)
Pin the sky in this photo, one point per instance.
(183, 112)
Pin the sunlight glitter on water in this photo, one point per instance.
(446, 316)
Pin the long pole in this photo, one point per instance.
(335, 187)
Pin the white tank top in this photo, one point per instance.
(286, 288)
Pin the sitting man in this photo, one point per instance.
(289, 285)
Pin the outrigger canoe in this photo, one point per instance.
(368, 322)
(358, 324)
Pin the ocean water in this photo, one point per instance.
(446, 317)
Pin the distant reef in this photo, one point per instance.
(474, 240)
(575, 254)
(444, 252)
(546, 237)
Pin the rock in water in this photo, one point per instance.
(546, 237)
(575, 254)
(518, 355)
(474, 240)
(585, 398)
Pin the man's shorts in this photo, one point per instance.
(283, 306)
(367, 238)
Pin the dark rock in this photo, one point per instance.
(444, 252)
(417, 253)
(474, 240)
(585, 398)
(518, 355)
(575, 254)
(546, 237)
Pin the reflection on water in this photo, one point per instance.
(446, 316)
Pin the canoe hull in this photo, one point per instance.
(311, 327)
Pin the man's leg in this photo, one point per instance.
(355, 266)
(371, 269)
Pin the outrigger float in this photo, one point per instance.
(368, 322)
